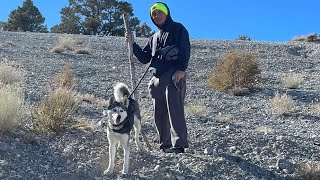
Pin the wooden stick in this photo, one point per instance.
(130, 54)
(132, 71)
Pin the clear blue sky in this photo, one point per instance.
(262, 20)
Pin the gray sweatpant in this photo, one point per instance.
(168, 102)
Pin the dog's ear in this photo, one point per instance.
(126, 101)
(111, 100)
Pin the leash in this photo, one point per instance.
(144, 74)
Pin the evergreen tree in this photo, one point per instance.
(69, 23)
(144, 31)
(26, 18)
(86, 17)
(2, 24)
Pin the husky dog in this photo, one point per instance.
(122, 115)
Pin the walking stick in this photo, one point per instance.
(130, 54)
(132, 71)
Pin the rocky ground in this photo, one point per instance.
(231, 137)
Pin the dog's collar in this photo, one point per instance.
(118, 126)
(124, 127)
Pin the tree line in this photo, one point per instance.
(88, 17)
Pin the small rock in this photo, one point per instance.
(209, 151)
(4, 147)
(157, 168)
(285, 165)
(179, 177)
(233, 148)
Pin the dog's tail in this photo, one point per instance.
(120, 91)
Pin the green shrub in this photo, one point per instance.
(312, 38)
(243, 38)
(11, 107)
(236, 70)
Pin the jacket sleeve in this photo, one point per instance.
(143, 55)
(184, 49)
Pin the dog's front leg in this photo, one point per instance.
(126, 152)
(112, 153)
(137, 129)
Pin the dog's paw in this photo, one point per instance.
(108, 172)
(124, 172)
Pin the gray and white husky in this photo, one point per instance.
(123, 114)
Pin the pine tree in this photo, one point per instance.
(26, 18)
(87, 17)
(144, 30)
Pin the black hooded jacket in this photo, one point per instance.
(169, 33)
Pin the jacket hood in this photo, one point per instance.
(168, 18)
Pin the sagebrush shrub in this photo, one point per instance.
(196, 108)
(54, 110)
(281, 104)
(66, 43)
(11, 107)
(292, 81)
(10, 74)
(309, 171)
(65, 79)
(82, 51)
(235, 70)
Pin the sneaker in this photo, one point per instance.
(175, 150)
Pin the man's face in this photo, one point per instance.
(158, 17)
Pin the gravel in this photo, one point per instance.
(233, 137)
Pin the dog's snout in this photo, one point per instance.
(118, 118)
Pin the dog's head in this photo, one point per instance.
(116, 111)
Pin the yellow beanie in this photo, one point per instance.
(159, 6)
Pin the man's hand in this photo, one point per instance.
(178, 75)
(129, 37)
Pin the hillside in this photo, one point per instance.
(231, 137)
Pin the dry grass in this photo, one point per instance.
(83, 124)
(53, 113)
(223, 118)
(55, 108)
(6, 43)
(65, 79)
(89, 98)
(309, 171)
(263, 130)
(235, 70)
(292, 81)
(66, 44)
(197, 108)
(281, 104)
(9, 73)
(57, 49)
(316, 108)
(11, 107)
(82, 51)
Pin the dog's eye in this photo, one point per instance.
(114, 110)
(121, 110)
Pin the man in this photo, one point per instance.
(168, 51)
